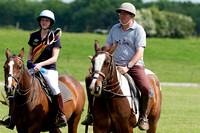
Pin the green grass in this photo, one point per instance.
(180, 112)
(172, 60)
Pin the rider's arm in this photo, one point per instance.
(50, 60)
(138, 55)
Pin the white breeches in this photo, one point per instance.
(51, 76)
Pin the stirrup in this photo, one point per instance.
(62, 122)
(88, 120)
(5, 123)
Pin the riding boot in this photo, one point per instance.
(89, 118)
(143, 122)
(8, 122)
(61, 119)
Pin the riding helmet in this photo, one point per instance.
(48, 14)
(128, 7)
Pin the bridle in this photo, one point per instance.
(18, 90)
(105, 77)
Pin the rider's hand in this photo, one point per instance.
(122, 69)
(37, 67)
(91, 70)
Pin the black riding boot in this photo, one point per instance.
(8, 122)
(89, 118)
(143, 122)
(61, 121)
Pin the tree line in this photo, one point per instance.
(159, 19)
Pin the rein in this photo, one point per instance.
(26, 92)
(18, 90)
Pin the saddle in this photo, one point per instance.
(135, 93)
(65, 91)
(44, 85)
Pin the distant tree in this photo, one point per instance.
(89, 15)
(145, 18)
(165, 24)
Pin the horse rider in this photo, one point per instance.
(128, 58)
(47, 58)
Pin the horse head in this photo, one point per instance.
(13, 71)
(103, 65)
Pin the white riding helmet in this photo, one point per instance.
(48, 14)
(128, 7)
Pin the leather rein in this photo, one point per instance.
(18, 89)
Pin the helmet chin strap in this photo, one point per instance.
(125, 23)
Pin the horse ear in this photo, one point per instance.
(112, 49)
(21, 53)
(8, 53)
(96, 45)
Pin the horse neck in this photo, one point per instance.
(26, 80)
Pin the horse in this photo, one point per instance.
(31, 110)
(111, 108)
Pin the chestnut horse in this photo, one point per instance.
(31, 111)
(112, 111)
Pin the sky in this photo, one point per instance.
(193, 1)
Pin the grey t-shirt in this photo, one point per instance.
(129, 40)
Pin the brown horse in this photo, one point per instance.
(31, 110)
(112, 110)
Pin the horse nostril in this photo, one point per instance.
(97, 90)
(13, 87)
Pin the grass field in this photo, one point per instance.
(172, 60)
(180, 112)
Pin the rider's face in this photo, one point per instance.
(45, 23)
(125, 16)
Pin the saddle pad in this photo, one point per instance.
(134, 103)
(65, 92)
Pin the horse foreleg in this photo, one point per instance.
(152, 126)
(73, 123)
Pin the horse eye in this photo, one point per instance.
(106, 63)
